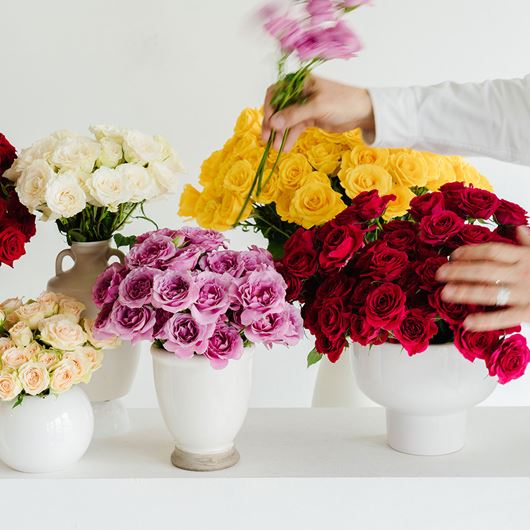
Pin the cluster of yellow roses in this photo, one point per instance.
(311, 183)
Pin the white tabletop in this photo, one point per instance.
(303, 467)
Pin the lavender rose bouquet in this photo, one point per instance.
(184, 290)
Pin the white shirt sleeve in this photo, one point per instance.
(489, 119)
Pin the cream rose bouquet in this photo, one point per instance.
(91, 186)
(46, 347)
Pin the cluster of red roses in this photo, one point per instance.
(374, 282)
(17, 225)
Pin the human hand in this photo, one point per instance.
(332, 106)
(484, 274)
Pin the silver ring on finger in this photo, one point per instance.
(503, 296)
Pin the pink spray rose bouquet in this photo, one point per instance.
(186, 291)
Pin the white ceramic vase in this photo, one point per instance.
(203, 408)
(46, 434)
(115, 377)
(426, 396)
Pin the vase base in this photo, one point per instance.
(426, 435)
(204, 462)
(111, 418)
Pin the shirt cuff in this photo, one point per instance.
(396, 117)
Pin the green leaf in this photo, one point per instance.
(276, 249)
(18, 402)
(124, 241)
(313, 357)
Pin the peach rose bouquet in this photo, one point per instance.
(46, 347)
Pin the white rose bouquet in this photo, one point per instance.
(91, 186)
(45, 347)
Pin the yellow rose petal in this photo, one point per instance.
(401, 204)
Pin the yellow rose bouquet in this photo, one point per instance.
(312, 183)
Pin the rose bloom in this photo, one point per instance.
(185, 336)
(137, 287)
(49, 303)
(83, 367)
(14, 358)
(300, 258)
(385, 306)
(415, 331)
(478, 204)
(509, 213)
(10, 386)
(21, 334)
(71, 308)
(34, 378)
(174, 291)
(61, 333)
(62, 377)
(225, 343)
(476, 345)
(105, 290)
(213, 299)
(5, 344)
(33, 349)
(48, 357)
(102, 344)
(259, 294)
(31, 314)
(133, 323)
(156, 251)
(510, 359)
(425, 205)
(438, 228)
(93, 356)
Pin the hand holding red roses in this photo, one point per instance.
(476, 273)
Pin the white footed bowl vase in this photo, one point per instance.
(115, 377)
(203, 408)
(426, 396)
(46, 434)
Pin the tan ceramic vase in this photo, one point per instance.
(115, 377)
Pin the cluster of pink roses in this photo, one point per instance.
(185, 289)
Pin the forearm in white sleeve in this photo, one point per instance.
(479, 119)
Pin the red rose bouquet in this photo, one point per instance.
(360, 278)
(17, 225)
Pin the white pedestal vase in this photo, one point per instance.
(115, 377)
(46, 434)
(203, 408)
(426, 396)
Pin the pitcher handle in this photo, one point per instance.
(118, 253)
(59, 260)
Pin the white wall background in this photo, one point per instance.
(185, 69)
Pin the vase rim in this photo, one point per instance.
(170, 358)
(86, 244)
(394, 346)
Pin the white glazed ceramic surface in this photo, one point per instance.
(203, 408)
(46, 434)
(427, 396)
(114, 379)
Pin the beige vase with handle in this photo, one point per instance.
(115, 377)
